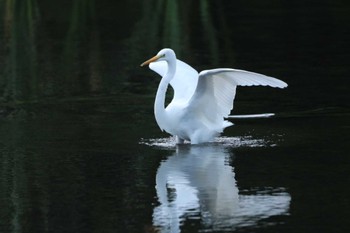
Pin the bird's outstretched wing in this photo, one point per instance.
(184, 82)
(216, 89)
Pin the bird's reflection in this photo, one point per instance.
(198, 183)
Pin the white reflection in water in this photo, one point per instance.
(197, 182)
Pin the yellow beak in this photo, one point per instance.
(155, 58)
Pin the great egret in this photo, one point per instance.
(201, 101)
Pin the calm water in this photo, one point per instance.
(80, 150)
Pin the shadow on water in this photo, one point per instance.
(196, 186)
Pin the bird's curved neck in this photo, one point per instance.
(159, 104)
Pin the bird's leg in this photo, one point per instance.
(179, 140)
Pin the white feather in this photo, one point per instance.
(184, 82)
(216, 89)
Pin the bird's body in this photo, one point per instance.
(201, 101)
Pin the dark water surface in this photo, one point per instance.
(80, 150)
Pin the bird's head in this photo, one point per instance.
(163, 55)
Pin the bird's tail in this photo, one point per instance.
(248, 116)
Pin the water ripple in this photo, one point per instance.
(242, 141)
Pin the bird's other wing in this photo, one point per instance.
(185, 79)
(216, 89)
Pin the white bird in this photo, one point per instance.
(201, 102)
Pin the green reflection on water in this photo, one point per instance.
(29, 54)
(78, 51)
(81, 60)
(20, 73)
(70, 54)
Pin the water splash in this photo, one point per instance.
(163, 143)
(234, 142)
